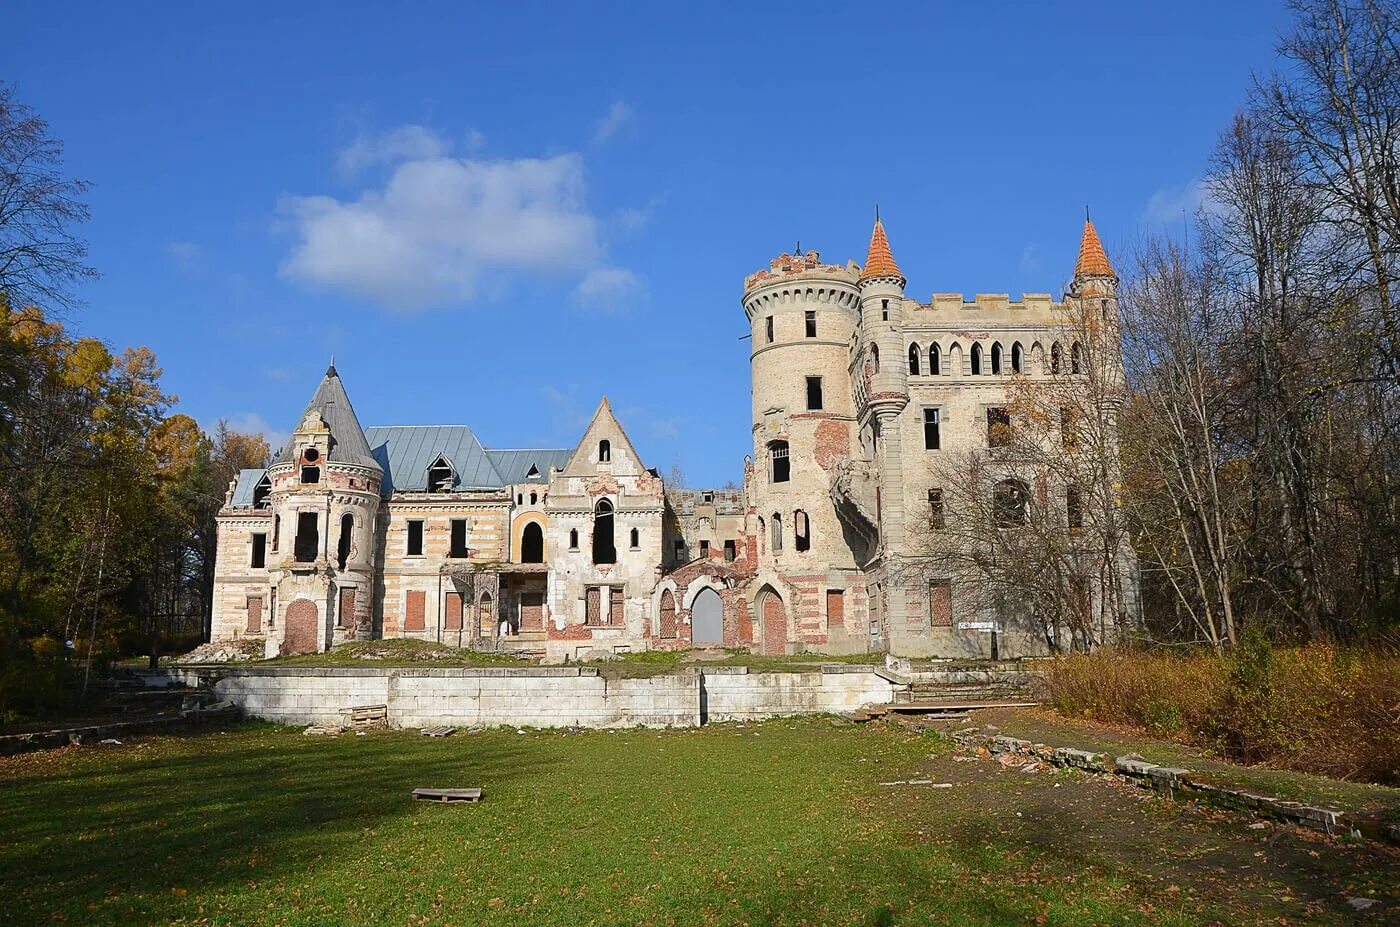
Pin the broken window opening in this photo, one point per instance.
(801, 531)
(884, 310)
(308, 541)
(810, 318)
(777, 522)
(768, 326)
(1017, 358)
(1074, 508)
(573, 539)
(534, 498)
(998, 427)
(875, 357)
(1011, 503)
(440, 476)
(932, 435)
(604, 451)
(458, 547)
(261, 491)
(532, 544)
(933, 361)
(913, 360)
(1055, 357)
(311, 474)
(935, 509)
(779, 469)
(814, 394)
(415, 539)
(259, 557)
(996, 359)
(731, 551)
(704, 550)
(975, 358)
(276, 530)
(678, 550)
(635, 539)
(1076, 358)
(342, 547)
(604, 547)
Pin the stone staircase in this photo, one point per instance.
(959, 686)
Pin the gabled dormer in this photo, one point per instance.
(604, 447)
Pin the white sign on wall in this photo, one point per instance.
(978, 626)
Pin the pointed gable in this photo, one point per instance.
(331, 406)
(604, 427)
(1093, 260)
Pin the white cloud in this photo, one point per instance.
(609, 289)
(617, 116)
(405, 143)
(250, 423)
(1170, 207)
(442, 225)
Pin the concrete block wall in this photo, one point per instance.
(538, 696)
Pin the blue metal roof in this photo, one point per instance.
(515, 465)
(243, 489)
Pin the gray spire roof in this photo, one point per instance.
(348, 444)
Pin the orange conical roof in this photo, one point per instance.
(1093, 260)
(879, 261)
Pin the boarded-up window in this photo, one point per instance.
(835, 608)
(255, 614)
(345, 614)
(592, 611)
(668, 615)
(452, 621)
(940, 603)
(616, 606)
(532, 611)
(413, 610)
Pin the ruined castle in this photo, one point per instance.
(858, 392)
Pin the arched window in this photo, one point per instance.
(875, 356)
(604, 451)
(933, 368)
(667, 628)
(801, 531)
(779, 464)
(975, 359)
(913, 360)
(762, 534)
(440, 476)
(573, 539)
(520, 498)
(1011, 503)
(777, 523)
(484, 621)
(276, 530)
(342, 550)
(1055, 357)
(534, 498)
(532, 544)
(955, 359)
(604, 548)
(996, 358)
(1076, 358)
(1017, 361)
(636, 539)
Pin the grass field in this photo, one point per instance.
(779, 823)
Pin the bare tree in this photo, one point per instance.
(40, 257)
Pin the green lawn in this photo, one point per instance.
(779, 823)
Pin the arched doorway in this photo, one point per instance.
(667, 628)
(532, 544)
(707, 618)
(774, 618)
(300, 634)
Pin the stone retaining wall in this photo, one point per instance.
(546, 696)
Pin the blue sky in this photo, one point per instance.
(494, 214)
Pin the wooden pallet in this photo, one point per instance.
(364, 717)
(447, 794)
(442, 731)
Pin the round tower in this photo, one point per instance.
(324, 496)
(802, 316)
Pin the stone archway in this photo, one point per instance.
(773, 614)
(300, 634)
(707, 618)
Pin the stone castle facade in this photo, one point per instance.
(858, 394)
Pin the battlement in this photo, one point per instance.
(787, 266)
(989, 303)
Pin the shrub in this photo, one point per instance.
(1319, 708)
